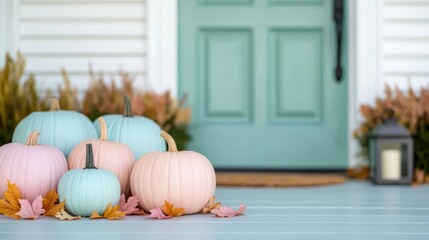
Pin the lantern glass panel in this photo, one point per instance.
(393, 161)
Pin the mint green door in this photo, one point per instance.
(260, 79)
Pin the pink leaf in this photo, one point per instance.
(225, 211)
(157, 213)
(130, 206)
(31, 211)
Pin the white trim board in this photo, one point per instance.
(363, 65)
(162, 45)
(365, 50)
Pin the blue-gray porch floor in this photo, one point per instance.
(354, 210)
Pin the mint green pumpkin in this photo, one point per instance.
(62, 129)
(89, 189)
(140, 134)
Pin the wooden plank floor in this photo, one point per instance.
(355, 210)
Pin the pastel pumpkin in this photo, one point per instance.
(62, 129)
(89, 189)
(186, 179)
(139, 133)
(113, 156)
(35, 169)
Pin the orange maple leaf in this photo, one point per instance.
(171, 211)
(10, 204)
(50, 203)
(110, 213)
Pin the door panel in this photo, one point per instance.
(259, 76)
(224, 97)
(296, 82)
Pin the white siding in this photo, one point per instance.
(108, 34)
(404, 42)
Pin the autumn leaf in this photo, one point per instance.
(157, 213)
(110, 213)
(51, 205)
(95, 215)
(31, 211)
(130, 206)
(225, 211)
(212, 204)
(10, 204)
(171, 211)
(63, 215)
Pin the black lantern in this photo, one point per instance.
(391, 154)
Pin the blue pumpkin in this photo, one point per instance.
(140, 134)
(62, 129)
(89, 189)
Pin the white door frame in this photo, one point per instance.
(363, 58)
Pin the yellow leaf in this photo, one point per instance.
(10, 204)
(212, 204)
(50, 203)
(110, 213)
(171, 211)
(95, 215)
(63, 215)
(113, 212)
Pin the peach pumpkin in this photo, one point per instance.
(35, 169)
(186, 179)
(113, 156)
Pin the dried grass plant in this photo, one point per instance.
(18, 97)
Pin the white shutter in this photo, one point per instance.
(404, 44)
(108, 34)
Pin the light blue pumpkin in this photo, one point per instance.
(140, 134)
(62, 129)
(89, 189)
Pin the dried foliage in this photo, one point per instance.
(410, 109)
(103, 98)
(17, 98)
(66, 94)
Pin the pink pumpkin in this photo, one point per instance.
(35, 169)
(113, 156)
(185, 179)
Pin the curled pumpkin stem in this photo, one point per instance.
(170, 141)
(33, 138)
(103, 129)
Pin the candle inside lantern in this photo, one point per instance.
(391, 164)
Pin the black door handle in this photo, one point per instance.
(338, 18)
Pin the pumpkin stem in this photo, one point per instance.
(170, 141)
(89, 157)
(103, 129)
(55, 105)
(32, 139)
(127, 105)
